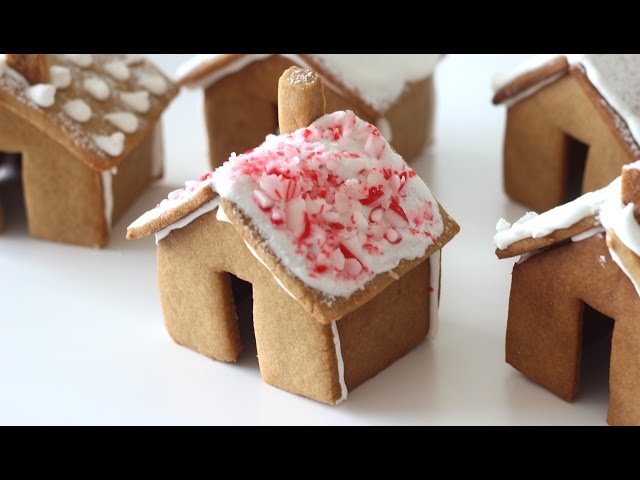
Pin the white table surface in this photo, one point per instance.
(82, 339)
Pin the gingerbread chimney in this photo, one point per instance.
(30, 66)
(300, 99)
(631, 186)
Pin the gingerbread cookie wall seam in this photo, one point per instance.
(434, 294)
(344, 392)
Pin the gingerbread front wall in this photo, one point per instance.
(296, 352)
(536, 146)
(63, 196)
(237, 129)
(544, 332)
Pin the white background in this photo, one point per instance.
(82, 339)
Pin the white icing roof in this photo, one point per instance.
(333, 202)
(379, 79)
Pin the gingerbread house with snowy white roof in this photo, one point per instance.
(580, 257)
(339, 238)
(87, 129)
(394, 92)
(572, 122)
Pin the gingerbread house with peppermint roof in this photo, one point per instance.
(394, 92)
(87, 128)
(572, 122)
(338, 236)
(576, 258)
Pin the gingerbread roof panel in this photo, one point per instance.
(97, 105)
(334, 204)
(377, 80)
(603, 211)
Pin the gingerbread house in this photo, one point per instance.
(337, 235)
(394, 92)
(577, 258)
(572, 122)
(87, 128)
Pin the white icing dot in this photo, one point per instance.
(42, 94)
(78, 110)
(60, 76)
(152, 82)
(136, 101)
(111, 144)
(97, 87)
(118, 70)
(80, 59)
(133, 58)
(125, 121)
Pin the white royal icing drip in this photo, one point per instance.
(133, 58)
(111, 144)
(137, 101)
(588, 234)
(78, 110)
(153, 82)
(97, 88)
(42, 94)
(183, 222)
(336, 343)
(107, 196)
(125, 121)
(82, 60)
(434, 294)
(60, 77)
(118, 69)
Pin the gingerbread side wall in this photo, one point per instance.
(536, 144)
(385, 328)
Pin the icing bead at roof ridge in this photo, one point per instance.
(78, 110)
(118, 69)
(83, 60)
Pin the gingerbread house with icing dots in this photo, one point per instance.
(339, 238)
(572, 122)
(581, 257)
(88, 133)
(394, 92)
